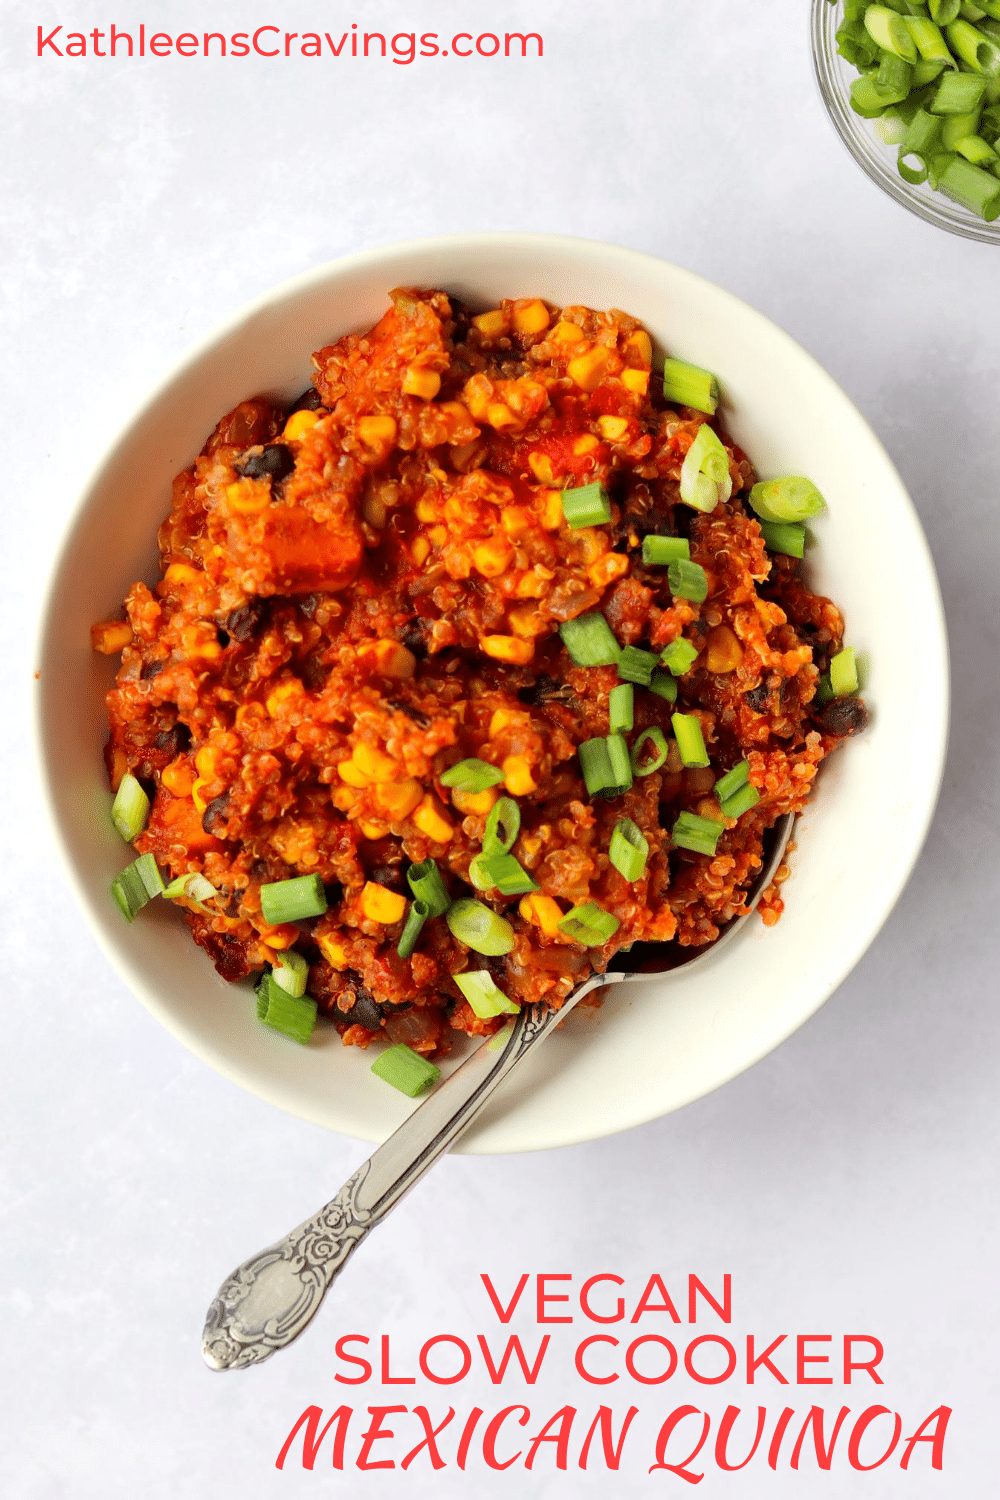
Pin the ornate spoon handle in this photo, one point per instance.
(269, 1299)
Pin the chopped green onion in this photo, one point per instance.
(664, 686)
(700, 835)
(740, 802)
(944, 11)
(889, 31)
(406, 1070)
(784, 536)
(483, 995)
(293, 1015)
(824, 692)
(621, 768)
(687, 385)
(589, 641)
(471, 775)
(660, 551)
(894, 77)
(479, 874)
(290, 971)
(587, 505)
(690, 740)
(636, 665)
(658, 739)
(427, 884)
(705, 477)
(589, 924)
(922, 133)
(679, 657)
(844, 673)
(791, 498)
(130, 808)
(415, 918)
(503, 873)
(866, 99)
(621, 711)
(194, 888)
(974, 47)
(928, 39)
(479, 928)
(502, 826)
(958, 93)
(604, 764)
(955, 128)
(629, 849)
(292, 900)
(972, 187)
(687, 580)
(733, 780)
(975, 149)
(136, 886)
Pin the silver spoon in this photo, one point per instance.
(269, 1299)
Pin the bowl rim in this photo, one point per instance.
(369, 261)
(939, 211)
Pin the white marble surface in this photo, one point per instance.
(848, 1181)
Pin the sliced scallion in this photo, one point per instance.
(705, 477)
(661, 551)
(974, 47)
(700, 835)
(479, 927)
(427, 884)
(471, 775)
(293, 1015)
(292, 900)
(621, 768)
(604, 764)
(589, 924)
(291, 971)
(621, 708)
(479, 874)
(587, 505)
(784, 536)
(636, 665)
(687, 580)
(889, 31)
(589, 641)
(958, 93)
(412, 927)
(664, 686)
(791, 498)
(136, 886)
(972, 187)
(130, 808)
(733, 780)
(644, 764)
(629, 849)
(194, 888)
(740, 802)
(844, 673)
(690, 740)
(502, 826)
(504, 874)
(483, 995)
(688, 385)
(679, 657)
(405, 1070)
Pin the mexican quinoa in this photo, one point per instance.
(469, 647)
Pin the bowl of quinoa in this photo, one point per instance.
(434, 598)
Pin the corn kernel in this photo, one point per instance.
(568, 333)
(420, 550)
(587, 369)
(432, 822)
(377, 432)
(379, 904)
(281, 694)
(335, 953)
(585, 444)
(181, 572)
(392, 659)
(205, 762)
(298, 425)
(119, 765)
(543, 911)
(177, 778)
(530, 585)
(475, 804)
(502, 719)
(428, 510)
(508, 648)
(607, 568)
(343, 798)
(399, 798)
(373, 830)
(197, 790)
(492, 558)
(552, 510)
(613, 429)
(477, 394)
(517, 520)
(541, 466)
(374, 763)
(248, 497)
(517, 776)
(709, 807)
(353, 775)
(419, 381)
(280, 937)
(110, 636)
(491, 324)
(531, 319)
(525, 621)
(636, 381)
(724, 652)
(499, 415)
(642, 344)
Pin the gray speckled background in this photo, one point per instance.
(847, 1182)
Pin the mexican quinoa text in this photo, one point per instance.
(363, 591)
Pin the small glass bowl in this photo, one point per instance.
(862, 140)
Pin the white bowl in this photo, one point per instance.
(651, 1048)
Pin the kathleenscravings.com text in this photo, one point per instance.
(403, 47)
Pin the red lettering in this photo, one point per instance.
(312, 1437)
(487, 36)
(372, 36)
(524, 38)
(352, 1359)
(503, 1313)
(802, 1358)
(374, 1432)
(940, 1419)
(427, 1441)
(564, 1416)
(776, 1437)
(594, 1317)
(240, 43)
(655, 1283)
(97, 51)
(722, 1439)
(860, 1428)
(446, 1338)
(48, 41)
(289, 37)
(710, 1338)
(119, 36)
(259, 33)
(850, 1364)
(466, 1438)
(329, 41)
(724, 1309)
(666, 1432)
(213, 36)
(650, 1338)
(76, 44)
(595, 1338)
(514, 1347)
(462, 36)
(754, 1362)
(815, 1420)
(312, 44)
(189, 51)
(542, 1297)
(162, 37)
(492, 1431)
(388, 1379)
(428, 44)
(612, 1452)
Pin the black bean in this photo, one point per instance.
(543, 688)
(222, 637)
(400, 707)
(314, 673)
(413, 636)
(151, 669)
(175, 740)
(308, 604)
(334, 892)
(842, 716)
(215, 813)
(310, 400)
(275, 462)
(364, 1012)
(758, 698)
(244, 622)
(391, 876)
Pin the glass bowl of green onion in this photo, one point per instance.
(913, 88)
